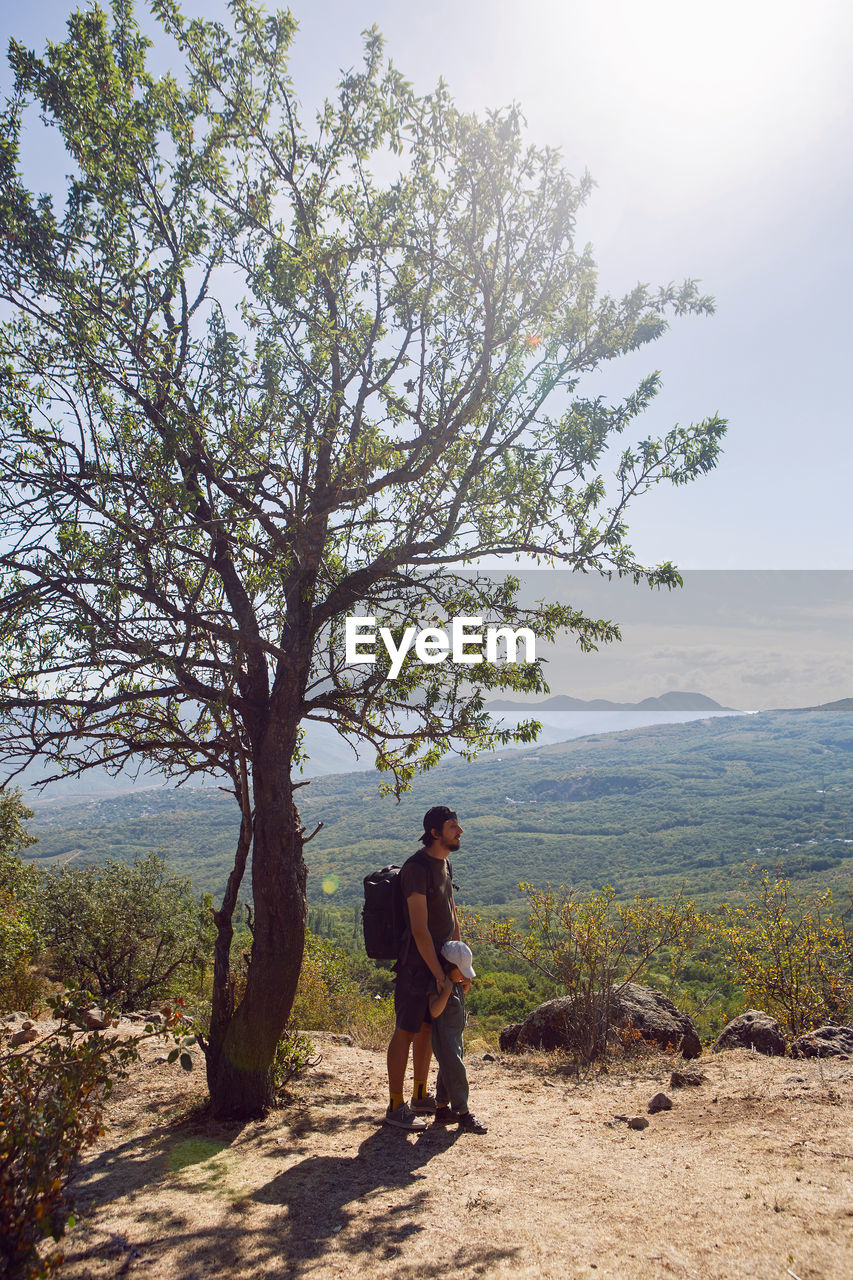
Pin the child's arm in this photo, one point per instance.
(438, 1002)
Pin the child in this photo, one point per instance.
(447, 1010)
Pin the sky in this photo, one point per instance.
(719, 139)
(753, 640)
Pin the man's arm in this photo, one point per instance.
(417, 904)
(464, 983)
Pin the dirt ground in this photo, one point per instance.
(749, 1175)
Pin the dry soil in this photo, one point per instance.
(749, 1175)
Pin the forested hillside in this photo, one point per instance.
(652, 807)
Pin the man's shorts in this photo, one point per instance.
(411, 997)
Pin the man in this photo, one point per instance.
(430, 914)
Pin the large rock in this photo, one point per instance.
(656, 1018)
(95, 1019)
(652, 1015)
(752, 1030)
(825, 1042)
(23, 1037)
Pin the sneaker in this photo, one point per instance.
(470, 1124)
(424, 1106)
(444, 1115)
(403, 1117)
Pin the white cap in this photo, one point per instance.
(460, 955)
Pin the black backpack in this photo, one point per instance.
(383, 917)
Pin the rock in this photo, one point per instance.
(488, 1057)
(656, 1018)
(95, 1019)
(508, 1038)
(752, 1030)
(641, 1009)
(23, 1037)
(638, 1122)
(825, 1042)
(660, 1102)
(28, 1025)
(684, 1079)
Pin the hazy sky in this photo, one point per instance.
(753, 640)
(719, 136)
(720, 140)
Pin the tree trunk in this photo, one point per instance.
(239, 1067)
(222, 1000)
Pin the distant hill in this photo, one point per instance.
(652, 807)
(327, 752)
(843, 704)
(672, 701)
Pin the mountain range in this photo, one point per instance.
(327, 752)
(672, 701)
(650, 807)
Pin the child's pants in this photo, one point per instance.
(452, 1083)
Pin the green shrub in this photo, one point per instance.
(52, 1095)
(587, 945)
(132, 934)
(21, 942)
(328, 998)
(294, 1053)
(791, 952)
(500, 997)
(21, 982)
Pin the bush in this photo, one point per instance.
(21, 983)
(132, 934)
(790, 952)
(293, 1055)
(328, 998)
(505, 997)
(52, 1096)
(21, 942)
(589, 945)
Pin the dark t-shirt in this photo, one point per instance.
(431, 877)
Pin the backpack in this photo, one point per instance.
(383, 917)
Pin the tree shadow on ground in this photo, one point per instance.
(133, 1167)
(318, 1207)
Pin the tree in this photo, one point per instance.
(260, 377)
(14, 836)
(132, 935)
